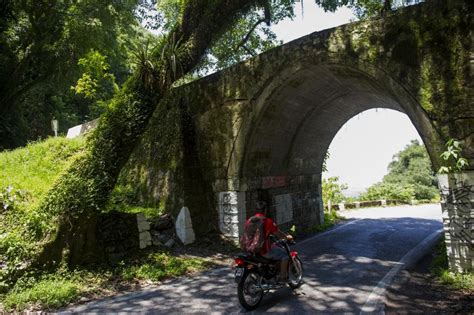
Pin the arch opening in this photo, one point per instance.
(293, 127)
(377, 159)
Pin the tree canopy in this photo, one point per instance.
(410, 176)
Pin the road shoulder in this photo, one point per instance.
(416, 290)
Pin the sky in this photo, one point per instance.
(365, 145)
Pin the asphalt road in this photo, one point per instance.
(346, 269)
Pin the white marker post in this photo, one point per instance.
(54, 125)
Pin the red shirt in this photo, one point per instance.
(269, 227)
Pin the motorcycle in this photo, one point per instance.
(256, 275)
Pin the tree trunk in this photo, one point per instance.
(82, 191)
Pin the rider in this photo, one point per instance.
(269, 250)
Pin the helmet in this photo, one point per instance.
(261, 206)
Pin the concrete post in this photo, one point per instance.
(329, 205)
(342, 206)
(383, 202)
(457, 202)
(357, 204)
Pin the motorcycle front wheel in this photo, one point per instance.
(248, 290)
(295, 273)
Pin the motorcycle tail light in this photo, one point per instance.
(294, 254)
(239, 261)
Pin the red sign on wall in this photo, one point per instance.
(273, 181)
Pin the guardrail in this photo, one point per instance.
(373, 203)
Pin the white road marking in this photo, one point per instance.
(374, 303)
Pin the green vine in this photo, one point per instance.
(452, 158)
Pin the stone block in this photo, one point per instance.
(145, 239)
(143, 226)
(155, 240)
(141, 217)
(163, 222)
(184, 227)
(169, 243)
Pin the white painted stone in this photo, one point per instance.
(357, 204)
(383, 202)
(82, 129)
(73, 132)
(143, 226)
(342, 206)
(184, 227)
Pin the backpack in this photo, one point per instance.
(254, 235)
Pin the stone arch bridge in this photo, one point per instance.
(261, 129)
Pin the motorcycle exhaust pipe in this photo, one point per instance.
(267, 286)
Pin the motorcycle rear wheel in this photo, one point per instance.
(248, 291)
(295, 273)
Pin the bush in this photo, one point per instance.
(333, 190)
(389, 191)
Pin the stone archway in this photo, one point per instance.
(293, 126)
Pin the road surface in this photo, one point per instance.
(346, 269)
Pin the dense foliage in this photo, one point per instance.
(41, 43)
(333, 190)
(410, 176)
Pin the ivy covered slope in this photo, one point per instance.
(26, 175)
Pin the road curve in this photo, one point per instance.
(346, 270)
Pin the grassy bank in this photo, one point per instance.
(26, 175)
(33, 168)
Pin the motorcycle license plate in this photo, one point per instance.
(239, 272)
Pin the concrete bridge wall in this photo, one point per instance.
(260, 129)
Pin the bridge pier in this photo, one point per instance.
(291, 200)
(457, 202)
